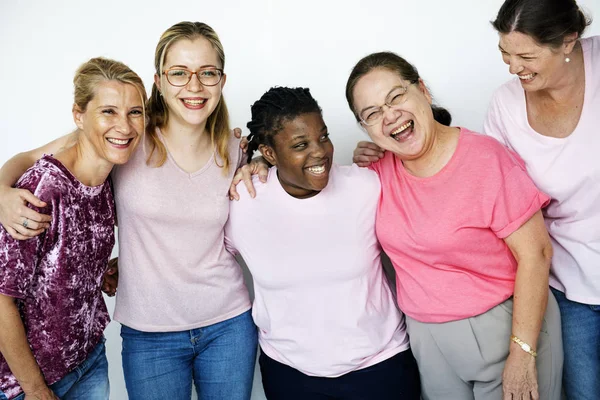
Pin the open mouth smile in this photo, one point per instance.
(402, 131)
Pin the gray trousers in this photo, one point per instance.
(464, 359)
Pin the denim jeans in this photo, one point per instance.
(581, 343)
(89, 381)
(219, 359)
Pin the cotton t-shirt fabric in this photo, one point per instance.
(568, 169)
(322, 303)
(444, 234)
(174, 271)
(56, 276)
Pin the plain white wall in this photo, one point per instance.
(313, 43)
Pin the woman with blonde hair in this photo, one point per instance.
(182, 301)
(51, 308)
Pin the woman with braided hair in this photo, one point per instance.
(328, 325)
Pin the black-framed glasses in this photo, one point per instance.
(372, 115)
(208, 76)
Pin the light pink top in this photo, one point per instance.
(323, 305)
(174, 271)
(568, 170)
(444, 234)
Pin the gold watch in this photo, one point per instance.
(526, 348)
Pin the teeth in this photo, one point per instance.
(526, 77)
(118, 141)
(194, 102)
(317, 169)
(400, 129)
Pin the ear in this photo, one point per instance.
(78, 116)
(223, 80)
(157, 82)
(268, 153)
(569, 42)
(425, 91)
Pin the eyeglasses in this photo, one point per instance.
(372, 115)
(208, 76)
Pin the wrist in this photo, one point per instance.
(33, 384)
(521, 347)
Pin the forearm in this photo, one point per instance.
(15, 348)
(530, 299)
(12, 170)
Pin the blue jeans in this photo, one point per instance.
(89, 381)
(581, 343)
(219, 359)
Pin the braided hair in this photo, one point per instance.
(276, 106)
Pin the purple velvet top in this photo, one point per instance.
(56, 277)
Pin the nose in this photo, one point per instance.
(317, 150)
(390, 114)
(514, 67)
(194, 85)
(123, 126)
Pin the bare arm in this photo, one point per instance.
(14, 213)
(17, 353)
(530, 244)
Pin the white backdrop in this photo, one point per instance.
(312, 43)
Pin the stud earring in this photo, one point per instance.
(567, 59)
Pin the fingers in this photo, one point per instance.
(30, 198)
(247, 178)
(368, 145)
(233, 194)
(25, 232)
(244, 144)
(14, 234)
(364, 161)
(237, 132)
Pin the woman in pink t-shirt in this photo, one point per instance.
(549, 114)
(460, 220)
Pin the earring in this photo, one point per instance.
(567, 59)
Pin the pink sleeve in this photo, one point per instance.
(493, 125)
(516, 202)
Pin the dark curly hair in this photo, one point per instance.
(277, 105)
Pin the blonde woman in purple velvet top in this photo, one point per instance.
(52, 312)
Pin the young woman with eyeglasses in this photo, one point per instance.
(182, 301)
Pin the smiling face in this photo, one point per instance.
(112, 122)
(406, 129)
(303, 155)
(192, 104)
(537, 66)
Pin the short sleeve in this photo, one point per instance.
(18, 261)
(493, 124)
(518, 199)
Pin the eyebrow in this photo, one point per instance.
(201, 67)
(302, 136)
(519, 54)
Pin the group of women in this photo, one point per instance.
(476, 232)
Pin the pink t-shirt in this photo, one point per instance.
(174, 271)
(444, 234)
(323, 305)
(568, 170)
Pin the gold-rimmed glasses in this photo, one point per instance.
(179, 76)
(372, 115)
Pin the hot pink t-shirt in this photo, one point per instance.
(444, 234)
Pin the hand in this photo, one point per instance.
(14, 213)
(258, 166)
(43, 393)
(367, 153)
(519, 379)
(110, 280)
(237, 132)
